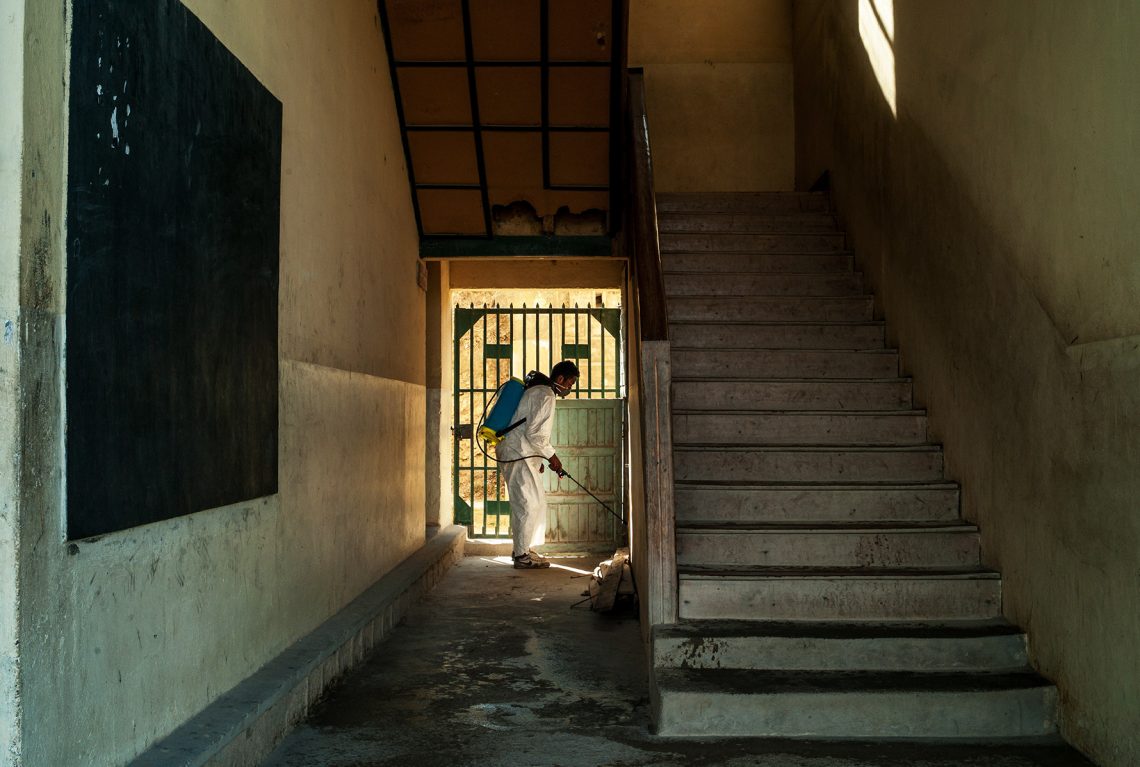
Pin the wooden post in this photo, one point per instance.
(658, 465)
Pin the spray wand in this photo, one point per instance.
(601, 503)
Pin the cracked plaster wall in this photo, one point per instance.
(124, 637)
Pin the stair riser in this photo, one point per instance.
(799, 429)
(752, 243)
(828, 548)
(792, 395)
(836, 337)
(840, 598)
(1005, 652)
(761, 263)
(830, 309)
(797, 223)
(708, 504)
(733, 284)
(789, 363)
(749, 203)
(803, 466)
(859, 715)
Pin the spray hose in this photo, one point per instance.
(562, 473)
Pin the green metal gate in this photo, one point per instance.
(494, 343)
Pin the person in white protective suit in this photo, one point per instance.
(522, 453)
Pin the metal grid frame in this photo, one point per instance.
(477, 127)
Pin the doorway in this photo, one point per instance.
(494, 342)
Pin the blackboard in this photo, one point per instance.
(172, 270)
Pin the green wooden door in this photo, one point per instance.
(588, 436)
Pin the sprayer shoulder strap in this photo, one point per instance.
(510, 428)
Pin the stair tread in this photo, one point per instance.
(665, 195)
(705, 447)
(809, 351)
(734, 194)
(750, 572)
(823, 528)
(733, 484)
(714, 254)
(805, 447)
(738, 272)
(839, 629)
(779, 349)
(795, 249)
(911, 412)
(752, 681)
(780, 323)
(837, 232)
(754, 379)
(793, 349)
(742, 299)
(674, 296)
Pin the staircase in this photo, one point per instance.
(827, 585)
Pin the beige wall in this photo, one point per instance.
(995, 216)
(539, 273)
(124, 637)
(718, 79)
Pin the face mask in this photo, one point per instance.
(561, 389)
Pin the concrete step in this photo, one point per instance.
(809, 594)
(852, 706)
(756, 503)
(769, 223)
(993, 645)
(847, 336)
(807, 464)
(752, 284)
(783, 363)
(779, 308)
(768, 263)
(743, 202)
(737, 242)
(865, 547)
(792, 394)
(790, 427)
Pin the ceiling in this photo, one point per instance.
(503, 102)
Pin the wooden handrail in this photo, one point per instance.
(641, 245)
(641, 217)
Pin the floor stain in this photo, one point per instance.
(483, 673)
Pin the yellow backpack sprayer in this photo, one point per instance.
(499, 422)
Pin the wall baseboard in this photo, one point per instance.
(245, 724)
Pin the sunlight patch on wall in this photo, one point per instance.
(877, 31)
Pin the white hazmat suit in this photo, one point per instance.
(524, 483)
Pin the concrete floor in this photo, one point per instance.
(496, 667)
